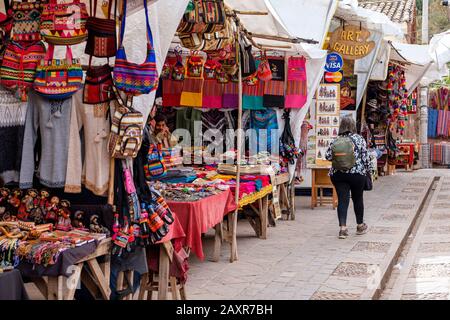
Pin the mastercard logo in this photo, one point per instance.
(333, 77)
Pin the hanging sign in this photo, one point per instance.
(351, 42)
(334, 62)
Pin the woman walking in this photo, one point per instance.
(350, 164)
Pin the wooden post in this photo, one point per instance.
(363, 111)
(234, 216)
(163, 279)
(111, 182)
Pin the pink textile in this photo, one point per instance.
(198, 217)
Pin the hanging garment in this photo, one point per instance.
(52, 118)
(213, 124)
(297, 85)
(252, 96)
(265, 122)
(230, 96)
(274, 89)
(192, 95)
(432, 122)
(172, 82)
(212, 89)
(187, 118)
(12, 124)
(93, 172)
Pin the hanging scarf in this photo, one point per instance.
(264, 121)
(296, 88)
(230, 97)
(274, 89)
(192, 95)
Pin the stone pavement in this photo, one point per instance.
(425, 270)
(304, 259)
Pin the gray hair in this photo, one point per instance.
(347, 125)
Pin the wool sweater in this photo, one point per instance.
(12, 123)
(52, 118)
(93, 172)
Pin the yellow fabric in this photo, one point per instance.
(222, 177)
(191, 99)
(251, 198)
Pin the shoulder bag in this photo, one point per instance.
(101, 41)
(58, 78)
(131, 78)
(26, 21)
(64, 23)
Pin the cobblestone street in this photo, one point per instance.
(304, 259)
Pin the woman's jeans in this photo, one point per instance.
(344, 183)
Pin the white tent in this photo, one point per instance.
(440, 49)
(417, 59)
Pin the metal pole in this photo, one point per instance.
(425, 10)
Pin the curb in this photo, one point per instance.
(394, 253)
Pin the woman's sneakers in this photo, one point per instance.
(361, 229)
(343, 234)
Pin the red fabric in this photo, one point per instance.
(198, 217)
(176, 230)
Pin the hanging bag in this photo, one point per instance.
(26, 21)
(264, 73)
(19, 64)
(58, 78)
(64, 23)
(155, 166)
(127, 130)
(131, 78)
(288, 151)
(98, 84)
(101, 41)
(297, 86)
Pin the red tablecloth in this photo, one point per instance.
(176, 231)
(198, 217)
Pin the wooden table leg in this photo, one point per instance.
(292, 200)
(101, 278)
(143, 286)
(174, 288)
(313, 189)
(42, 286)
(264, 210)
(217, 242)
(163, 279)
(72, 282)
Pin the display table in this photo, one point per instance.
(62, 279)
(320, 181)
(287, 194)
(197, 217)
(11, 286)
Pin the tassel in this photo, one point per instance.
(103, 135)
(57, 114)
(97, 138)
(49, 124)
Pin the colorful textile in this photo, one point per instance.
(230, 97)
(212, 94)
(192, 95)
(296, 88)
(432, 122)
(171, 92)
(26, 21)
(264, 122)
(252, 98)
(274, 89)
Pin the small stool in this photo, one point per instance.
(321, 181)
(150, 285)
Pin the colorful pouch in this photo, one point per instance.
(192, 95)
(297, 86)
(274, 89)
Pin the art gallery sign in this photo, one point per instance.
(351, 42)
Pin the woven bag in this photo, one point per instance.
(101, 41)
(26, 21)
(58, 78)
(64, 23)
(131, 78)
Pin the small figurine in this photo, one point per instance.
(52, 210)
(64, 223)
(14, 200)
(96, 227)
(78, 220)
(4, 196)
(27, 204)
(43, 199)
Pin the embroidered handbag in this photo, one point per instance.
(98, 85)
(127, 130)
(58, 78)
(155, 166)
(101, 41)
(206, 16)
(132, 78)
(264, 72)
(26, 21)
(19, 64)
(297, 86)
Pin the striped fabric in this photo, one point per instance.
(253, 96)
(230, 97)
(212, 94)
(273, 94)
(171, 92)
(296, 88)
(19, 64)
(26, 21)
(192, 95)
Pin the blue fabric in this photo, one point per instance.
(432, 122)
(264, 121)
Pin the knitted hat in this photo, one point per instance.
(372, 103)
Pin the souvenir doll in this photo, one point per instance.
(52, 210)
(78, 220)
(14, 200)
(96, 227)
(27, 205)
(64, 223)
(4, 197)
